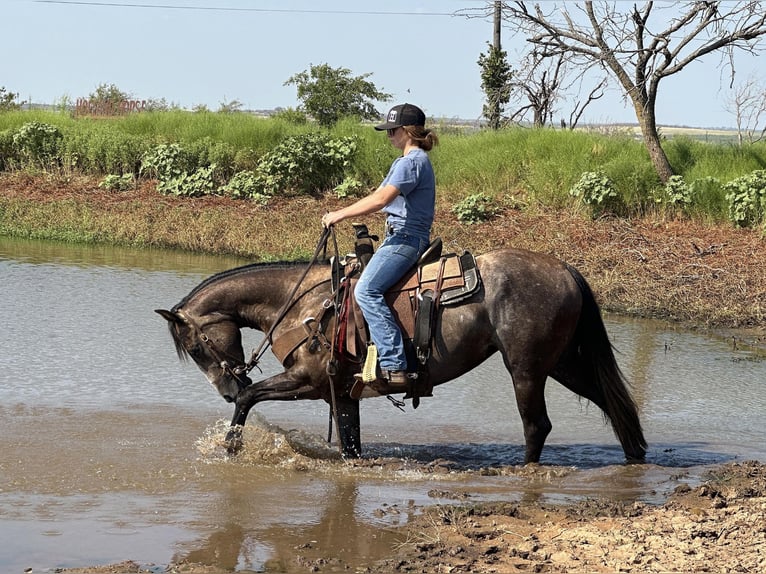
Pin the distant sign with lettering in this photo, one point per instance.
(86, 107)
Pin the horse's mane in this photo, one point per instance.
(229, 273)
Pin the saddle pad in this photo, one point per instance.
(452, 276)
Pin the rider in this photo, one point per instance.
(407, 195)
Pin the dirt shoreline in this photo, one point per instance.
(717, 526)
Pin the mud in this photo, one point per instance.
(716, 526)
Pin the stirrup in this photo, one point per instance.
(370, 369)
(397, 379)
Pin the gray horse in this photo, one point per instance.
(537, 311)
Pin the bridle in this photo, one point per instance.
(221, 357)
(242, 369)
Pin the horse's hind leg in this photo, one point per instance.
(570, 373)
(530, 398)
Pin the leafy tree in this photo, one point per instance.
(108, 95)
(496, 75)
(329, 94)
(9, 100)
(230, 107)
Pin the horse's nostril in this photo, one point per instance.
(228, 398)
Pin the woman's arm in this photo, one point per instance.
(376, 201)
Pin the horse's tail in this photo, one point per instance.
(597, 355)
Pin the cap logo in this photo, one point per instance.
(392, 116)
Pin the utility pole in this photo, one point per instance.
(493, 98)
(498, 19)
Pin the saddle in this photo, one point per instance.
(434, 281)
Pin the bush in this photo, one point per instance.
(597, 191)
(675, 194)
(746, 197)
(166, 161)
(202, 181)
(244, 185)
(349, 187)
(37, 143)
(475, 208)
(305, 164)
(117, 182)
(177, 173)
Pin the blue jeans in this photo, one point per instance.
(395, 256)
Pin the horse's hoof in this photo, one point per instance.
(233, 441)
(635, 460)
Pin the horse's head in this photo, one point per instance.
(214, 342)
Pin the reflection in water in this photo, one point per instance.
(100, 423)
(338, 533)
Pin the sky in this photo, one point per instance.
(207, 52)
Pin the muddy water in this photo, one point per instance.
(109, 447)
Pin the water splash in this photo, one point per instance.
(266, 444)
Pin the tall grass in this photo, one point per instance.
(531, 166)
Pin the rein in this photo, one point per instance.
(266, 341)
(258, 352)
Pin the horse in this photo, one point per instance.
(537, 311)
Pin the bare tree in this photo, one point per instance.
(537, 85)
(639, 47)
(748, 104)
(542, 84)
(595, 93)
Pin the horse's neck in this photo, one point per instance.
(255, 299)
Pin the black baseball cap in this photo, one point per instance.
(403, 115)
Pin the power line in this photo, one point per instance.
(233, 9)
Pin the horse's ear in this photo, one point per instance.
(169, 315)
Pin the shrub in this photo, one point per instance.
(746, 197)
(676, 193)
(166, 161)
(475, 208)
(349, 187)
(195, 184)
(597, 191)
(37, 143)
(177, 172)
(117, 182)
(305, 164)
(244, 185)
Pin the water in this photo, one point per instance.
(108, 443)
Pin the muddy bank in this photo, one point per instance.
(717, 526)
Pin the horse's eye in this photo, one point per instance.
(195, 350)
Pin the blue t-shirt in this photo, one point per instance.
(413, 209)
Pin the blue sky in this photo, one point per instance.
(246, 49)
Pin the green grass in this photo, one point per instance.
(522, 166)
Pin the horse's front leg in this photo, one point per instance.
(285, 386)
(233, 440)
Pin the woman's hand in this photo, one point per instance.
(331, 218)
(376, 201)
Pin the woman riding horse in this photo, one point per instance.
(407, 195)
